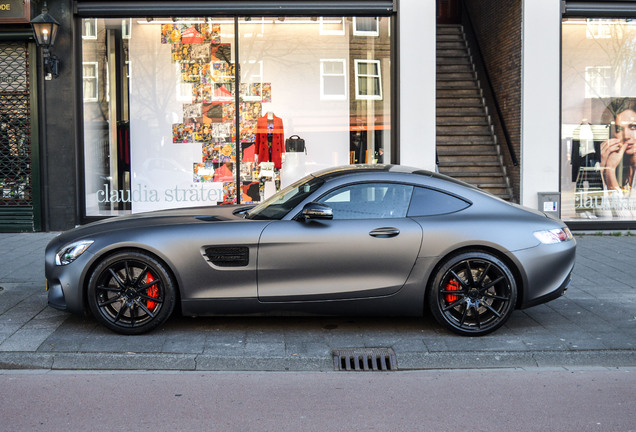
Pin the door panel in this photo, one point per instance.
(336, 259)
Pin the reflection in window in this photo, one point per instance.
(89, 29)
(333, 79)
(366, 26)
(369, 201)
(89, 76)
(332, 26)
(597, 79)
(368, 79)
(429, 202)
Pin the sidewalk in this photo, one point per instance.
(594, 324)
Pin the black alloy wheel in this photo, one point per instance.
(473, 294)
(131, 293)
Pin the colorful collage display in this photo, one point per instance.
(206, 63)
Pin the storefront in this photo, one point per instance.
(19, 164)
(598, 133)
(205, 107)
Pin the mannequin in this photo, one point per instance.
(270, 145)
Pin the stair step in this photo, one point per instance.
(462, 121)
(462, 172)
(489, 163)
(452, 111)
(446, 62)
(454, 68)
(455, 76)
(450, 44)
(459, 93)
(449, 28)
(457, 85)
(443, 37)
(467, 149)
(459, 102)
(447, 52)
(453, 141)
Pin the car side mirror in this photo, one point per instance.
(314, 210)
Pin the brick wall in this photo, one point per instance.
(497, 25)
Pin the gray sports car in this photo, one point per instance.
(365, 239)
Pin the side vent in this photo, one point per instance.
(228, 256)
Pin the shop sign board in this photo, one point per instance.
(15, 11)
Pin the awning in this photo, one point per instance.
(599, 9)
(164, 8)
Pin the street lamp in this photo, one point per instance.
(45, 30)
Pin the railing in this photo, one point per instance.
(482, 70)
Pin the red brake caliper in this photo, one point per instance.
(453, 285)
(153, 292)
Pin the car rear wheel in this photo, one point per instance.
(473, 294)
(131, 293)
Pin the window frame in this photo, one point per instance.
(86, 35)
(323, 75)
(359, 76)
(366, 33)
(95, 77)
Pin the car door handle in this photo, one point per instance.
(384, 232)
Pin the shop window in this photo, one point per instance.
(89, 29)
(170, 122)
(366, 26)
(333, 81)
(598, 143)
(368, 79)
(90, 79)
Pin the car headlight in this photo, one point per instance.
(557, 235)
(71, 252)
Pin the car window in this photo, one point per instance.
(277, 206)
(429, 202)
(369, 201)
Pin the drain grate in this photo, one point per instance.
(364, 359)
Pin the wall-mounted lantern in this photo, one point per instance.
(45, 30)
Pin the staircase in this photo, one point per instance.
(467, 147)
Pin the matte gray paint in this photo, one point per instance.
(327, 267)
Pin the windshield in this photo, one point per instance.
(284, 201)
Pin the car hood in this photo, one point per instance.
(194, 215)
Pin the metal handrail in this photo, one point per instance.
(466, 20)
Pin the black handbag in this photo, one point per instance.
(295, 144)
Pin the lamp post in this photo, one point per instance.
(45, 31)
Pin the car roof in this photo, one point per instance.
(343, 170)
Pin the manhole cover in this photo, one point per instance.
(364, 359)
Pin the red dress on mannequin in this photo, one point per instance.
(263, 151)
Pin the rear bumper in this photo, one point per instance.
(548, 272)
(550, 296)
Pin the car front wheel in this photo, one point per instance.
(131, 293)
(473, 294)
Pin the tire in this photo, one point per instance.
(473, 294)
(123, 297)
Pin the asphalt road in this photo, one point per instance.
(538, 399)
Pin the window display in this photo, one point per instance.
(599, 120)
(183, 112)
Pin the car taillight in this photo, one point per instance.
(557, 235)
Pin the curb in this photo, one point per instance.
(406, 361)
